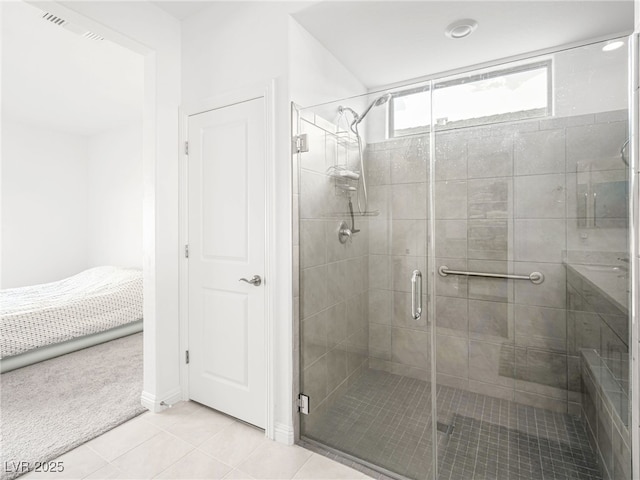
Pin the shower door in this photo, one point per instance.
(531, 307)
(365, 336)
(497, 204)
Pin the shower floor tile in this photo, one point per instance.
(385, 419)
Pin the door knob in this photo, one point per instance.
(256, 281)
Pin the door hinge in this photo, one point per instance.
(186, 356)
(300, 143)
(303, 404)
(186, 148)
(186, 251)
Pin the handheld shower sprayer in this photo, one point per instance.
(357, 118)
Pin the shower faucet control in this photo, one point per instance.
(344, 233)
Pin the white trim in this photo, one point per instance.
(219, 101)
(153, 403)
(283, 433)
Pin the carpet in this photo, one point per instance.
(51, 407)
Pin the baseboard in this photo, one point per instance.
(153, 402)
(283, 433)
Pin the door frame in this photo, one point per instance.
(267, 92)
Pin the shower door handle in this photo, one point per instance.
(416, 294)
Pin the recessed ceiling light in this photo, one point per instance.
(612, 46)
(461, 28)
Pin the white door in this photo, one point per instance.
(227, 243)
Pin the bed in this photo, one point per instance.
(44, 321)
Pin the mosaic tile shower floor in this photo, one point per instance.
(385, 419)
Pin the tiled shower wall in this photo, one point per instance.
(506, 201)
(333, 284)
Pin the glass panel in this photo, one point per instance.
(532, 378)
(365, 361)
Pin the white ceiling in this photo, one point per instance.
(387, 42)
(54, 78)
(182, 10)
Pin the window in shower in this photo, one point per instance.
(512, 94)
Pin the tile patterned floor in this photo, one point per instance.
(190, 441)
(385, 419)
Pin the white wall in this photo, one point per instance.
(44, 207)
(114, 198)
(70, 202)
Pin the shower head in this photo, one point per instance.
(381, 100)
(357, 118)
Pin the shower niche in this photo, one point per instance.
(444, 261)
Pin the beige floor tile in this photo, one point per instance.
(234, 443)
(238, 475)
(123, 438)
(199, 426)
(108, 472)
(169, 416)
(196, 465)
(275, 461)
(77, 464)
(323, 468)
(153, 456)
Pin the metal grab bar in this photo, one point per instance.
(416, 294)
(533, 277)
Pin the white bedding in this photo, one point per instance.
(92, 301)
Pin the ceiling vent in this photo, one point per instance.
(93, 36)
(50, 17)
(61, 22)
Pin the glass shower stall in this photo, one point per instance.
(461, 272)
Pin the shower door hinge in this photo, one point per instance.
(186, 148)
(303, 404)
(186, 356)
(300, 143)
(186, 251)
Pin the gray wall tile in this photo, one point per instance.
(377, 167)
(411, 347)
(380, 341)
(313, 290)
(490, 198)
(490, 156)
(550, 293)
(492, 363)
(540, 152)
(541, 327)
(410, 165)
(540, 240)
(595, 147)
(451, 156)
(451, 238)
(314, 338)
(491, 321)
(452, 316)
(313, 249)
(452, 356)
(540, 196)
(451, 200)
(488, 239)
